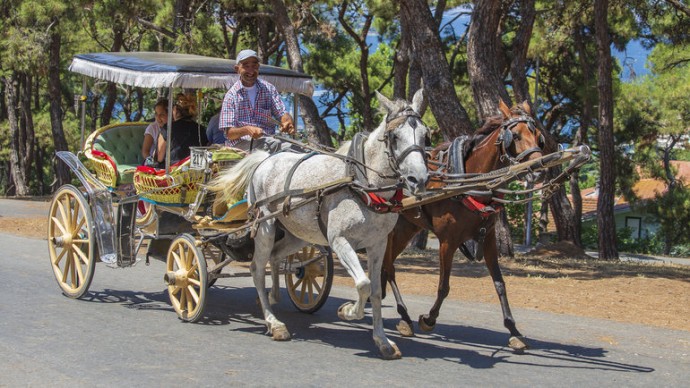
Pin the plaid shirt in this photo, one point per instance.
(238, 112)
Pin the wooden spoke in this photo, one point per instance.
(187, 263)
(71, 241)
(309, 279)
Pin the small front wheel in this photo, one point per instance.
(309, 277)
(71, 241)
(186, 278)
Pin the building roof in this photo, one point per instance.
(645, 189)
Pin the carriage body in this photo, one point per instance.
(122, 205)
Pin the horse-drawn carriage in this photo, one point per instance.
(287, 207)
(122, 204)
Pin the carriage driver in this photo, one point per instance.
(252, 108)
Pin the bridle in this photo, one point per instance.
(505, 138)
(393, 123)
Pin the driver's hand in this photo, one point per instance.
(255, 132)
(287, 127)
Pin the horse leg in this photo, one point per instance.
(263, 243)
(287, 245)
(274, 294)
(447, 248)
(388, 349)
(517, 341)
(350, 311)
(397, 241)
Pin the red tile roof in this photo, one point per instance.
(644, 189)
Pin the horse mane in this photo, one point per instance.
(491, 124)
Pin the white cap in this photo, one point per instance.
(246, 54)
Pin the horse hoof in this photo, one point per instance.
(518, 344)
(424, 326)
(342, 314)
(390, 352)
(280, 333)
(405, 329)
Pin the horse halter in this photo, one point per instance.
(393, 123)
(505, 139)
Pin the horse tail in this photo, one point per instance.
(233, 182)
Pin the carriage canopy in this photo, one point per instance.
(159, 69)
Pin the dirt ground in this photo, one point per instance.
(559, 278)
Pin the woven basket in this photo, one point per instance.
(178, 188)
(99, 162)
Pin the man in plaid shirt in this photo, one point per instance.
(252, 108)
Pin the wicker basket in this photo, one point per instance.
(180, 187)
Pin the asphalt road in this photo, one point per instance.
(125, 333)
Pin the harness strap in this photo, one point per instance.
(380, 204)
(485, 210)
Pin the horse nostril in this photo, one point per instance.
(412, 180)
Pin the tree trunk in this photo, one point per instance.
(316, 127)
(482, 53)
(504, 243)
(16, 171)
(360, 39)
(26, 146)
(451, 117)
(562, 212)
(518, 65)
(605, 217)
(487, 84)
(111, 89)
(62, 174)
(401, 62)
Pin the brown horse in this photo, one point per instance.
(510, 138)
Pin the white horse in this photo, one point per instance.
(393, 155)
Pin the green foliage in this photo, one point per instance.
(652, 244)
(517, 214)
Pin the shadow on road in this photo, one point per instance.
(475, 347)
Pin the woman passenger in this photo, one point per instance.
(148, 148)
(185, 131)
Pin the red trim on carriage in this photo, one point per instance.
(159, 171)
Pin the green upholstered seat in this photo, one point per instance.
(122, 144)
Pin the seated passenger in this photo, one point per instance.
(148, 148)
(213, 133)
(185, 132)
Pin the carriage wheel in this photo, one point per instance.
(186, 278)
(71, 242)
(309, 278)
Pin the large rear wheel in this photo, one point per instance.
(309, 277)
(186, 278)
(71, 241)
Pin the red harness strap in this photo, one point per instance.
(381, 205)
(483, 209)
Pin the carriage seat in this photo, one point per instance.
(115, 152)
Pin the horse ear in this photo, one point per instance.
(418, 100)
(526, 107)
(504, 108)
(385, 102)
